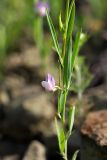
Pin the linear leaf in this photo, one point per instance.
(75, 49)
(83, 38)
(71, 20)
(61, 26)
(61, 136)
(61, 103)
(67, 14)
(54, 36)
(71, 115)
(75, 155)
(67, 62)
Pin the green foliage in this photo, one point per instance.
(15, 14)
(2, 38)
(38, 32)
(54, 36)
(71, 115)
(70, 21)
(75, 49)
(99, 8)
(61, 26)
(67, 64)
(2, 48)
(83, 38)
(68, 57)
(43, 42)
(67, 52)
(61, 136)
(81, 76)
(55, 7)
(75, 155)
(61, 103)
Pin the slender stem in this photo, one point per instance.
(66, 150)
(60, 76)
(67, 13)
(64, 46)
(63, 116)
(65, 33)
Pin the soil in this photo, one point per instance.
(27, 112)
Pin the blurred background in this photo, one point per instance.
(27, 111)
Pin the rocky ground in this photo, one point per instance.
(27, 112)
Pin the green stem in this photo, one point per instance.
(65, 98)
(67, 13)
(64, 46)
(66, 150)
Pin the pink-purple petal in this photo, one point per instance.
(50, 79)
(41, 8)
(49, 84)
(53, 81)
(46, 85)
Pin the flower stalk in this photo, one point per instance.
(43, 46)
(67, 54)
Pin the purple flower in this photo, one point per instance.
(41, 8)
(49, 83)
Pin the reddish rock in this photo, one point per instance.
(95, 126)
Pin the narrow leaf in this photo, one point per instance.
(67, 62)
(75, 49)
(60, 23)
(75, 155)
(71, 115)
(71, 20)
(54, 36)
(60, 103)
(61, 136)
(67, 13)
(83, 38)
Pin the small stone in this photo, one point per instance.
(13, 60)
(33, 113)
(29, 58)
(39, 106)
(14, 82)
(4, 97)
(95, 127)
(11, 157)
(36, 151)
